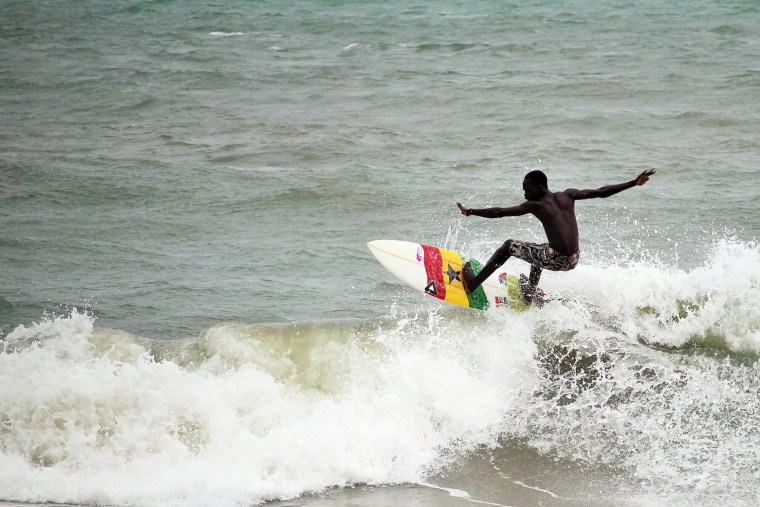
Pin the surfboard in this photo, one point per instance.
(438, 273)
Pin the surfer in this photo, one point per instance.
(556, 211)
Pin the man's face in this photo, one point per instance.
(533, 191)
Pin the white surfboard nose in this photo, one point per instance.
(402, 258)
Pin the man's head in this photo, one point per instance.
(535, 185)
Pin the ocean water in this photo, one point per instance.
(189, 314)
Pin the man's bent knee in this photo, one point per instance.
(503, 253)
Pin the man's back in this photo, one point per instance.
(556, 211)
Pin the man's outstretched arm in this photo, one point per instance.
(513, 211)
(609, 190)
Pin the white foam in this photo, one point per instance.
(713, 305)
(459, 493)
(237, 422)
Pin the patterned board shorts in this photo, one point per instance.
(543, 256)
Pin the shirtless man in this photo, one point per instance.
(556, 211)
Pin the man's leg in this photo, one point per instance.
(535, 275)
(500, 256)
(529, 289)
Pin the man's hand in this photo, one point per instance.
(644, 177)
(465, 211)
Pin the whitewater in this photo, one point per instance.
(651, 371)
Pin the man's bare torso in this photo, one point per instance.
(556, 211)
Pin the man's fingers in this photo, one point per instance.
(644, 177)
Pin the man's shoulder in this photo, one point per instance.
(568, 193)
(564, 194)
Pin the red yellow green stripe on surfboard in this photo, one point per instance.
(444, 272)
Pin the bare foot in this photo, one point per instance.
(528, 292)
(467, 276)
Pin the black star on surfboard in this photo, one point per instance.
(453, 274)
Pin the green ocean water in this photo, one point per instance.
(199, 180)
